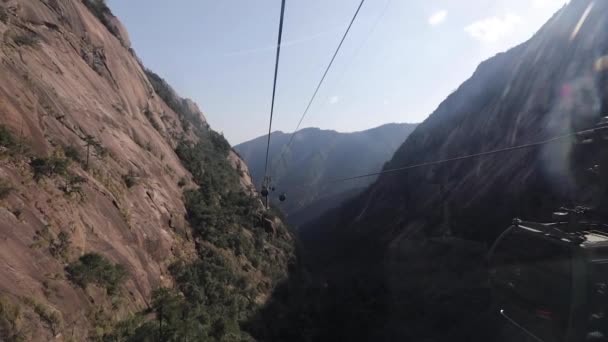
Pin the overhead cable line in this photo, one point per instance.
(355, 55)
(459, 158)
(314, 95)
(469, 156)
(339, 80)
(274, 86)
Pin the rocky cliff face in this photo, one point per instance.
(87, 164)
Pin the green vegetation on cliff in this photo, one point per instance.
(242, 249)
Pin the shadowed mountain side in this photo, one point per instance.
(393, 263)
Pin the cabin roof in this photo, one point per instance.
(595, 238)
(588, 236)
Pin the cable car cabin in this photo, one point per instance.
(551, 284)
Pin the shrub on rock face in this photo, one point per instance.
(130, 179)
(187, 117)
(94, 148)
(150, 116)
(10, 321)
(7, 139)
(48, 167)
(3, 15)
(60, 247)
(26, 39)
(5, 189)
(103, 13)
(71, 152)
(93, 268)
(73, 184)
(11, 145)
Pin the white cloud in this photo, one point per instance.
(493, 29)
(437, 18)
(334, 100)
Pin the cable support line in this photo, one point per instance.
(286, 147)
(459, 158)
(469, 156)
(274, 87)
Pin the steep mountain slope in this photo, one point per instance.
(318, 156)
(111, 186)
(546, 87)
(383, 256)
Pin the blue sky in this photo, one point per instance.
(400, 60)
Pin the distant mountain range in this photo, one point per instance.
(315, 158)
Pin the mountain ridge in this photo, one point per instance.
(319, 156)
